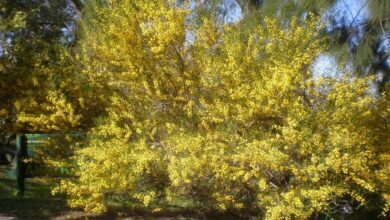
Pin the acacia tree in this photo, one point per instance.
(232, 121)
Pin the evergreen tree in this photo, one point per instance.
(365, 42)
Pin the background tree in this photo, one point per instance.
(39, 87)
(358, 30)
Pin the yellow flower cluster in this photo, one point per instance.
(232, 121)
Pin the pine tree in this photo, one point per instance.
(364, 42)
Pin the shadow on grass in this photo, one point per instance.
(37, 203)
(174, 214)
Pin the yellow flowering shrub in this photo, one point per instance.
(233, 121)
(46, 94)
(54, 97)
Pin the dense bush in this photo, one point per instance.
(234, 120)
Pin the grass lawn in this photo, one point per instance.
(38, 203)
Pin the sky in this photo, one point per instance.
(347, 13)
(233, 11)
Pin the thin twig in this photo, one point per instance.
(357, 14)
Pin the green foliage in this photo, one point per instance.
(364, 51)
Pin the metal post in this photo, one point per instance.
(21, 154)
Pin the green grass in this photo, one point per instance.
(37, 203)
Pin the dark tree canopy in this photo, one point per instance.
(32, 37)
